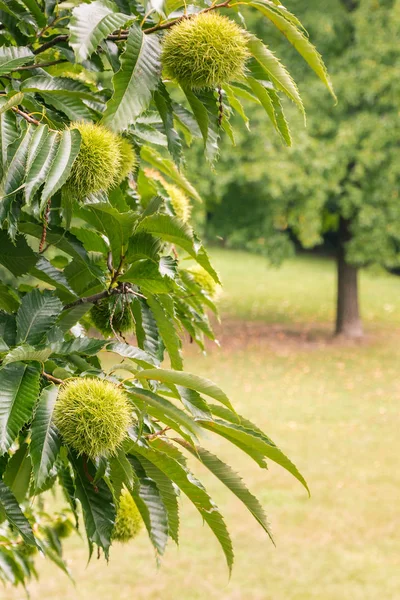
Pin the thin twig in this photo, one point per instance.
(56, 40)
(153, 436)
(25, 115)
(52, 379)
(93, 299)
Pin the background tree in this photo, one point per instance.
(94, 207)
(339, 182)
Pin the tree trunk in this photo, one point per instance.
(348, 322)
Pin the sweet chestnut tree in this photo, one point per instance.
(101, 271)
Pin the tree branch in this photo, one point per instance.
(95, 298)
(56, 40)
(123, 34)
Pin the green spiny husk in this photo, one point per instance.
(204, 280)
(92, 416)
(112, 316)
(98, 164)
(205, 51)
(128, 522)
(180, 202)
(128, 159)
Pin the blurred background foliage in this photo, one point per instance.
(345, 164)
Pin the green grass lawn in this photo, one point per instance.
(333, 407)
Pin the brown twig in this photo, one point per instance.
(156, 434)
(56, 40)
(52, 379)
(93, 299)
(25, 115)
(45, 225)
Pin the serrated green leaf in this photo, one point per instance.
(136, 354)
(27, 353)
(193, 382)
(162, 409)
(14, 174)
(92, 241)
(12, 57)
(253, 439)
(59, 172)
(68, 488)
(232, 481)
(14, 100)
(118, 227)
(9, 300)
(135, 81)
(45, 271)
(167, 332)
(70, 317)
(169, 494)
(81, 345)
(275, 70)
(45, 441)
(205, 122)
(17, 257)
(186, 481)
(70, 105)
(15, 515)
(297, 38)
(146, 274)
(151, 507)
(59, 86)
(19, 389)
(17, 475)
(36, 316)
(92, 23)
(8, 328)
(273, 108)
(41, 165)
(143, 245)
(163, 102)
(174, 231)
(194, 403)
(121, 473)
(97, 503)
(8, 134)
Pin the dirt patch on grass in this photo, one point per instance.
(234, 334)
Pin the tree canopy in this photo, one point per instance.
(345, 165)
(102, 274)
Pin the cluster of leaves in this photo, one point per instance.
(61, 255)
